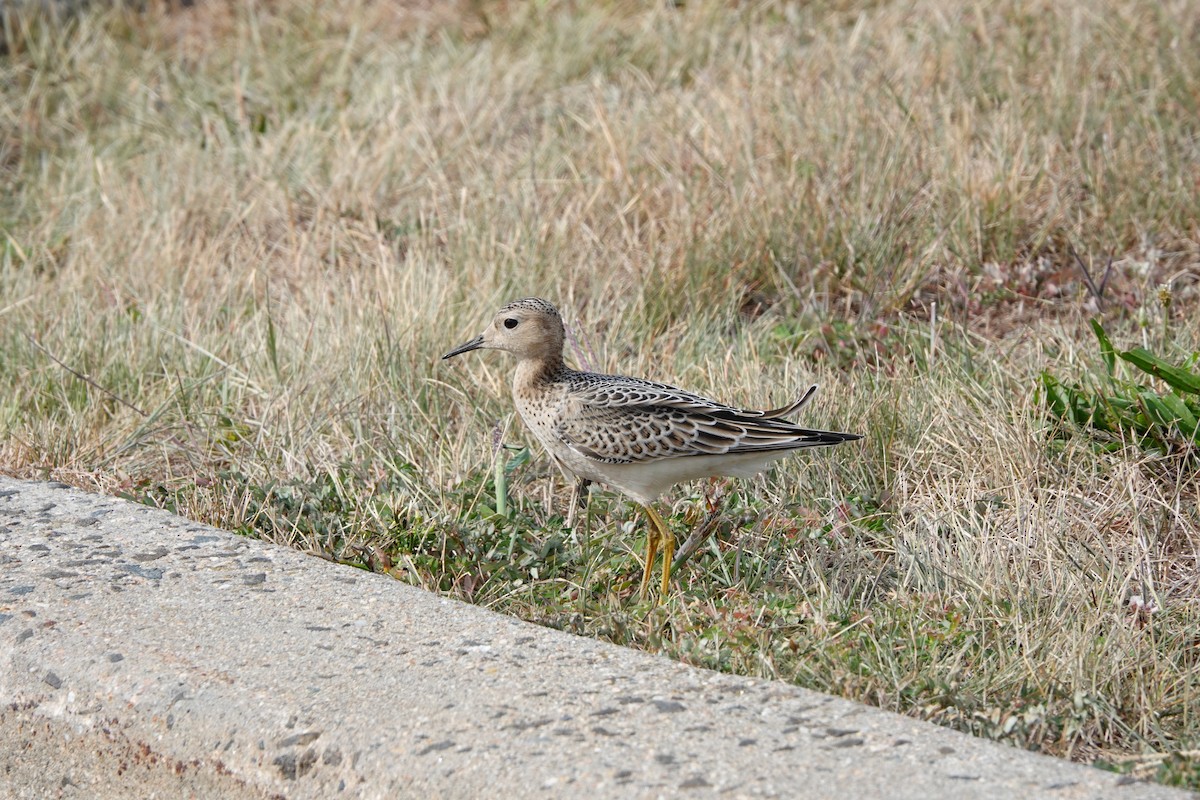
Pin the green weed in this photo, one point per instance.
(1120, 409)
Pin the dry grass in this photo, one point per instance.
(234, 239)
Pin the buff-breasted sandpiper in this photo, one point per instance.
(636, 436)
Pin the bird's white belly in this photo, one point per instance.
(644, 481)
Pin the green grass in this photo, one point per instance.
(235, 238)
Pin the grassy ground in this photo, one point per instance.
(235, 238)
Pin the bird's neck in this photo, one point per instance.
(533, 373)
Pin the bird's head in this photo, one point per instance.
(529, 329)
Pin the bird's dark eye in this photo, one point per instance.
(510, 323)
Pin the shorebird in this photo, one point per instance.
(638, 437)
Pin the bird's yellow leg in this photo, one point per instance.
(651, 549)
(662, 533)
(652, 546)
(668, 554)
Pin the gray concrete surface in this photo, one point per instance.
(143, 655)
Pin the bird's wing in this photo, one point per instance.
(619, 391)
(631, 420)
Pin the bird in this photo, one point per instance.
(637, 436)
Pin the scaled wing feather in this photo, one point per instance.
(626, 420)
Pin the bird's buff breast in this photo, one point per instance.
(541, 411)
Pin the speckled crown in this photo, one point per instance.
(532, 304)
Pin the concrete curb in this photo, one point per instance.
(141, 652)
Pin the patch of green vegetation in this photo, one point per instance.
(358, 515)
(1119, 409)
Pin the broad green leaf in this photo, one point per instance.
(1055, 395)
(1183, 415)
(521, 458)
(1157, 410)
(1177, 378)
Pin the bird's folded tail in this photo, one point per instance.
(811, 438)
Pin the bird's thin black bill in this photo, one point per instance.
(474, 344)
